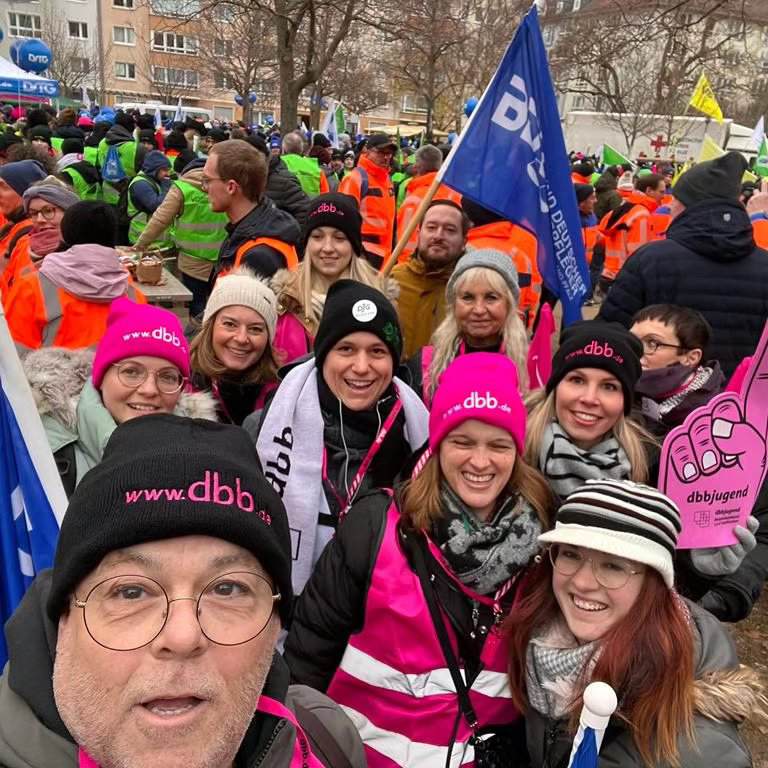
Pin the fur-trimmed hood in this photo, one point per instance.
(733, 695)
(57, 377)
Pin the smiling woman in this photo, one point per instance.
(232, 354)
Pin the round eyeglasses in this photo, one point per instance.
(132, 375)
(127, 612)
(609, 572)
(48, 212)
(652, 346)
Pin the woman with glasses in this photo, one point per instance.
(66, 302)
(601, 605)
(233, 355)
(45, 204)
(676, 378)
(141, 366)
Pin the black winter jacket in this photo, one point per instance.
(284, 190)
(708, 262)
(264, 220)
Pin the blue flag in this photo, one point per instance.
(32, 498)
(511, 159)
(585, 752)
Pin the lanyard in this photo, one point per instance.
(302, 753)
(345, 503)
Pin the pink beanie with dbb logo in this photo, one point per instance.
(482, 386)
(140, 329)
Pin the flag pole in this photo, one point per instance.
(437, 181)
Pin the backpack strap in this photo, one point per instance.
(364, 182)
(324, 744)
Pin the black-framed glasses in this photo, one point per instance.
(132, 375)
(124, 613)
(609, 571)
(651, 346)
(48, 212)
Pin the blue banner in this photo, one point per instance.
(585, 754)
(28, 526)
(47, 89)
(511, 159)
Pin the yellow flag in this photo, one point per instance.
(686, 166)
(710, 150)
(704, 99)
(749, 177)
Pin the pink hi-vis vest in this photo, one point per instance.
(393, 680)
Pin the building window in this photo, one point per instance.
(125, 70)
(175, 7)
(170, 42)
(122, 3)
(223, 47)
(224, 12)
(80, 64)
(222, 81)
(24, 25)
(124, 35)
(224, 113)
(183, 78)
(413, 103)
(78, 30)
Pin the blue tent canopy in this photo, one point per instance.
(16, 83)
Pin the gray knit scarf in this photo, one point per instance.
(485, 555)
(555, 665)
(567, 466)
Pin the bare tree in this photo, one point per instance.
(75, 60)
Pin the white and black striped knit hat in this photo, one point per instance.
(621, 518)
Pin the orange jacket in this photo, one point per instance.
(592, 236)
(40, 314)
(417, 189)
(625, 230)
(18, 260)
(374, 191)
(522, 247)
(10, 234)
(660, 224)
(288, 251)
(577, 178)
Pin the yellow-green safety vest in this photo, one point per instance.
(198, 231)
(138, 218)
(306, 170)
(83, 189)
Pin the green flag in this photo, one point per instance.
(761, 164)
(612, 156)
(341, 125)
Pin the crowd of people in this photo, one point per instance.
(384, 544)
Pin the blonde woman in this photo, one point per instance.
(419, 579)
(482, 316)
(579, 428)
(332, 247)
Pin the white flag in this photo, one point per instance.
(86, 99)
(759, 133)
(177, 117)
(328, 126)
(158, 119)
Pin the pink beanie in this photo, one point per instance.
(482, 386)
(140, 329)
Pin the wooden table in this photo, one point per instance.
(171, 291)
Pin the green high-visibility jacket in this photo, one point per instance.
(138, 218)
(306, 170)
(198, 231)
(83, 189)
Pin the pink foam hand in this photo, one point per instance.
(714, 464)
(540, 350)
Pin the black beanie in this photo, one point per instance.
(718, 179)
(583, 191)
(72, 147)
(40, 133)
(90, 221)
(597, 344)
(339, 211)
(164, 476)
(351, 307)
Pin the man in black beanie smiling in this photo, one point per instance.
(708, 262)
(151, 642)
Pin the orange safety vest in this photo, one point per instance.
(660, 224)
(19, 259)
(40, 314)
(10, 234)
(521, 246)
(760, 232)
(417, 189)
(374, 191)
(577, 178)
(288, 251)
(592, 237)
(624, 234)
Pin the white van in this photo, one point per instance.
(167, 111)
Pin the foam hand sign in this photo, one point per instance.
(713, 465)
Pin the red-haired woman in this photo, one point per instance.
(601, 605)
